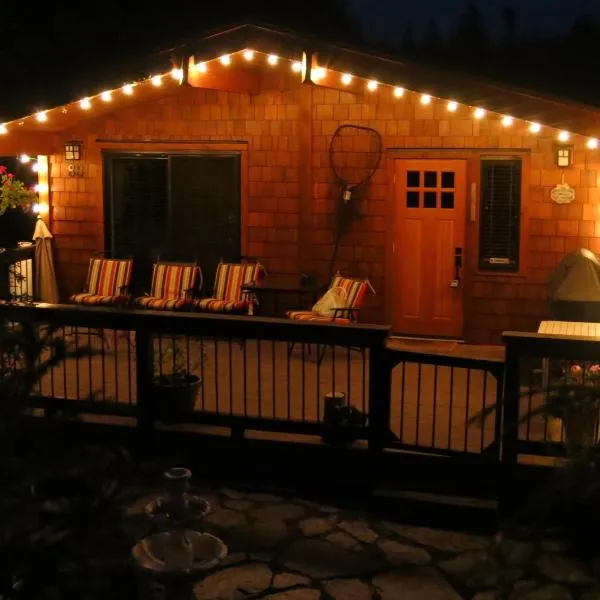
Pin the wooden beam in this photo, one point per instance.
(28, 142)
(227, 79)
(305, 176)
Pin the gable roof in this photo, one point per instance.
(444, 84)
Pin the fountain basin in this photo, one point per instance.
(161, 553)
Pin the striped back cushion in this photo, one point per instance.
(107, 277)
(355, 289)
(173, 281)
(230, 278)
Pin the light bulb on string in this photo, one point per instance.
(296, 66)
(156, 80)
(85, 104)
(127, 89)
(398, 92)
(35, 167)
(24, 158)
(200, 67)
(535, 127)
(507, 121)
(346, 79)
(177, 74)
(225, 60)
(3, 129)
(41, 117)
(372, 85)
(425, 99)
(272, 59)
(318, 73)
(592, 144)
(452, 106)
(564, 136)
(479, 113)
(106, 96)
(248, 55)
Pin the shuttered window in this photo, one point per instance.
(500, 215)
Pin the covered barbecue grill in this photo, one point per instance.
(574, 288)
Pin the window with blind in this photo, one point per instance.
(500, 215)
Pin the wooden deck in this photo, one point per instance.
(430, 404)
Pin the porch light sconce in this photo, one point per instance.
(563, 156)
(73, 156)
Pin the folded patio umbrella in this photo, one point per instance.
(45, 276)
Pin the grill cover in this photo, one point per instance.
(574, 288)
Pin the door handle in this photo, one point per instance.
(458, 263)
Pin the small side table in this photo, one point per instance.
(277, 294)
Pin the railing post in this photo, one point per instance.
(510, 429)
(380, 391)
(144, 372)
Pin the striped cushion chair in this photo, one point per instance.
(173, 285)
(228, 296)
(355, 291)
(107, 282)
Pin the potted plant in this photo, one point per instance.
(175, 385)
(15, 197)
(344, 422)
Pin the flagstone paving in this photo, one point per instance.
(293, 549)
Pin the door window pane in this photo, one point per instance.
(430, 179)
(447, 200)
(447, 179)
(412, 199)
(413, 178)
(429, 199)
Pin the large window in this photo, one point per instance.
(500, 215)
(181, 207)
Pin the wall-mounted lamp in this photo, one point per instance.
(73, 156)
(563, 156)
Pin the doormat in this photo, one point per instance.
(423, 345)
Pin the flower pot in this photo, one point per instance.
(174, 397)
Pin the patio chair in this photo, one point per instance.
(228, 296)
(173, 286)
(108, 281)
(355, 289)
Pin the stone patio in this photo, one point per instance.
(293, 549)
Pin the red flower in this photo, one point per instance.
(2, 169)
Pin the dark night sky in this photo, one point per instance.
(386, 19)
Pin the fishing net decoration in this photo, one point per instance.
(354, 155)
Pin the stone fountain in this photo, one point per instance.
(176, 549)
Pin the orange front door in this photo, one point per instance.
(429, 233)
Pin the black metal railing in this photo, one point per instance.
(433, 397)
(17, 281)
(537, 365)
(249, 373)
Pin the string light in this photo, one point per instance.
(25, 158)
(40, 208)
(318, 73)
(41, 188)
(35, 167)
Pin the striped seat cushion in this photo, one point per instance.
(170, 281)
(108, 277)
(97, 300)
(153, 303)
(220, 306)
(355, 289)
(307, 315)
(230, 278)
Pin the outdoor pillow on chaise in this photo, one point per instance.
(228, 294)
(107, 282)
(172, 286)
(354, 291)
